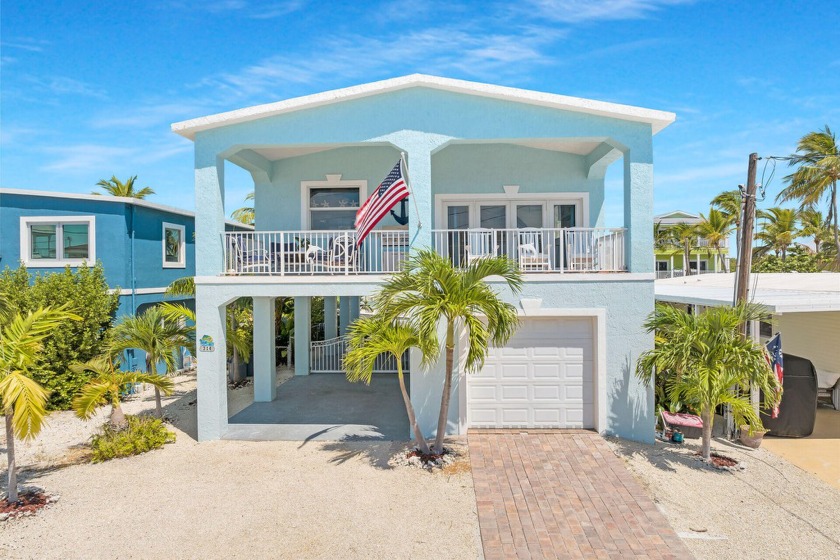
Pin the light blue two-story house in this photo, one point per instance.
(143, 246)
(493, 171)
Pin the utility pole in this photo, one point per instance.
(742, 280)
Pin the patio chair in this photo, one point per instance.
(342, 255)
(482, 244)
(530, 256)
(248, 255)
(580, 254)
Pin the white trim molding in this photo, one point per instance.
(59, 222)
(182, 247)
(333, 180)
(548, 199)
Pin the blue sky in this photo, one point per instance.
(89, 89)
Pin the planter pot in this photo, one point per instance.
(753, 441)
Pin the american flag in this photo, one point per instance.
(392, 190)
(774, 358)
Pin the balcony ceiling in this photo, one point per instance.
(570, 146)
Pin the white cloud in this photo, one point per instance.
(25, 43)
(84, 158)
(579, 11)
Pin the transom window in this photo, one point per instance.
(513, 214)
(53, 241)
(332, 207)
(174, 246)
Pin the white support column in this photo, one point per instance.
(210, 329)
(210, 210)
(330, 317)
(671, 268)
(698, 263)
(344, 314)
(303, 333)
(265, 352)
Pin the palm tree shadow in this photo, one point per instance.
(376, 454)
(181, 413)
(665, 456)
(77, 455)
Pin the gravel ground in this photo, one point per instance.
(231, 499)
(772, 509)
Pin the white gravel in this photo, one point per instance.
(232, 499)
(771, 509)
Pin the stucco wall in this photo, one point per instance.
(810, 336)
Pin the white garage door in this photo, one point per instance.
(543, 378)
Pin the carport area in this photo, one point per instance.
(325, 407)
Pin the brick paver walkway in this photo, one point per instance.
(562, 494)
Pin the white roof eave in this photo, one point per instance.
(657, 119)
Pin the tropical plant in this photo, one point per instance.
(159, 337)
(716, 229)
(707, 363)
(246, 214)
(730, 203)
(85, 292)
(777, 232)
(799, 259)
(108, 385)
(663, 238)
(23, 400)
(685, 237)
(370, 337)
(814, 226)
(430, 290)
(116, 187)
(140, 435)
(818, 159)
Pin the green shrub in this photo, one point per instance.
(143, 434)
(77, 341)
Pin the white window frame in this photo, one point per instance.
(182, 256)
(547, 200)
(333, 181)
(59, 261)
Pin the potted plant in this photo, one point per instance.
(751, 436)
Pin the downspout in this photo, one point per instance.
(133, 280)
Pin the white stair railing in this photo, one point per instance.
(326, 356)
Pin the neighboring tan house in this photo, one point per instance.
(702, 259)
(143, 246)
(493, 170)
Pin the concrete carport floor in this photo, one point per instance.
(326, 407)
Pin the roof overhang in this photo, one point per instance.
(777, 293)
(656, 119)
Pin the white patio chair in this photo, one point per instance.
(248, 256)
(531, 257)
(482, 244)
(342, 255)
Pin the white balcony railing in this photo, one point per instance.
(383, 252)
(311, 252)
(538, 249)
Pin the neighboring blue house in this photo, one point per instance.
(494, 171)
(143, 246)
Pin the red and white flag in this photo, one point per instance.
(392, 190)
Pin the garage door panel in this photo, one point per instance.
(543, 378)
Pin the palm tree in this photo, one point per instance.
(815, 226)
(685, 237)
(369, 337)
(777, 231)
(115, 187)
(818, 157)
(155, 335)
(23, 400)
(730, 203)
(707, 363)
(246, 214)
(430, 289)
(107, 386)
(716, 229)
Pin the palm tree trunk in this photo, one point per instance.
(447, 388)
(152, 368)
(722, 260)
(707, 418)
(834, 208)
(409, 408)
(686, 258)
(12, 494)
(117, 419)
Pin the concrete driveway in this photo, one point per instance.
(326, 407)
(562, 494)
(819, 453)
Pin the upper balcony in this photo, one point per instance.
(536, 250)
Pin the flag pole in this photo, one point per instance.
(410, 190)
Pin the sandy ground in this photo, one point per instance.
(231, 499)
(772, 509)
